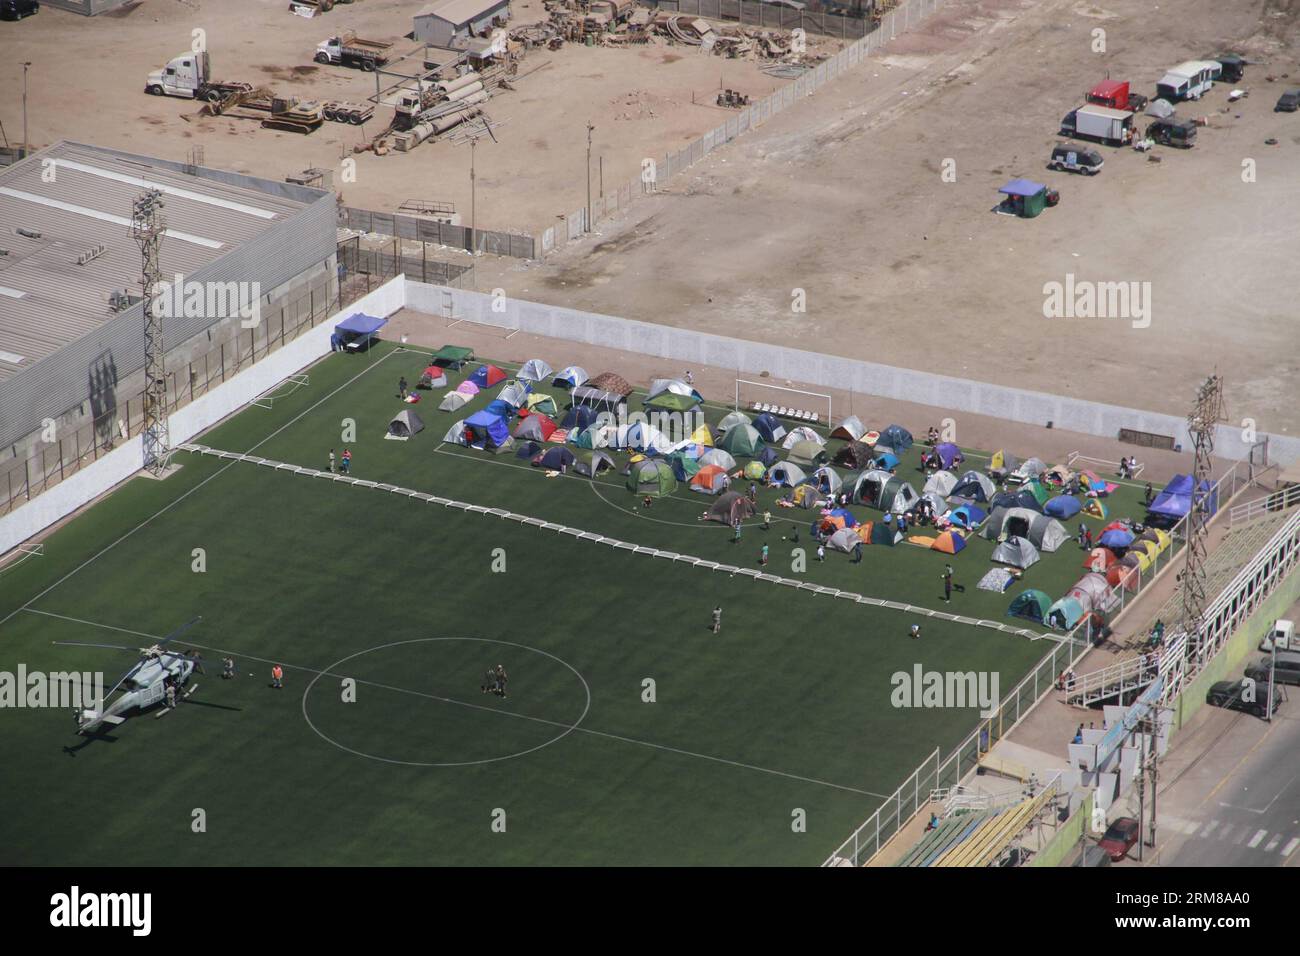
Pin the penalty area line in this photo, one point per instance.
(472, 706)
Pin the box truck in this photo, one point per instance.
(1100, 123)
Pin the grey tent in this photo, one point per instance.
(868, 485)
(808, 453)
(529, 428)
(786, 473)
(851, 429)
(456, 434)
(1093, 592)
(940, 483)
(719, 457)
(846, 539)
(1046, 534)
(1029, 469)
(730, 507)
(1017, 552)
(936, 501)
(516, 393)
(801, 433)
(827, 479)
(1160, 109)
(452, 401)
(1010, 463)
(593, 463)
(405, 424)
(973, 486)
(898, 497)
(535, 370)
(731, 419)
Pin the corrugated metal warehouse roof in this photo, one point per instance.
(69, 199)
(460, 12)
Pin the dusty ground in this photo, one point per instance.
(843, 198)
(88, 75)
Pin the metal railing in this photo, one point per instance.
(1279, 500)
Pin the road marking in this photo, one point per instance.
(1226, 832)
(1190, 827)
(474, 706)
(1255, 840)
(1272, 844)
(1290, 847)
(1213, 825)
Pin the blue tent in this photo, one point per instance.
(487, 429)
(968, 516)
(361, 324)
(556, 459)
(769, 426)
(578, 418)
(500, 408)
(767, 456)
(1176, 498)
(896, 437)
(1062, 506)
(1116, 539)
(849, 520)
(885, 462)
(1064, 614)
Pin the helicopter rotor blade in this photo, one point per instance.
(180, 630)
(113, 647)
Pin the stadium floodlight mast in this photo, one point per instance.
(147, 228)
(1206, 412)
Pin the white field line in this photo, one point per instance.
(472, 706)
(640, 549)
(173, 503)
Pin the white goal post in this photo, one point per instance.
(750, 393)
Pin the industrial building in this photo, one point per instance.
(71, 308)
(444, 20)
(87, 8)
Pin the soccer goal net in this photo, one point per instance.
(283, 390)
(784, 401)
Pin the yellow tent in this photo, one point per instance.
(702, 436)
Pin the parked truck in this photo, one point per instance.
(352, 50)
(189, 75)
(1099, 123)
(1173, 132)
(1116, 95)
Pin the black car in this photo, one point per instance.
(1230, 694)
(17, 9)
(1288, 102)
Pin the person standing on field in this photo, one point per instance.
(332, 461)
(277, 676)
(717, 619)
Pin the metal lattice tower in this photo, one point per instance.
(147, 228)
(1206, 413)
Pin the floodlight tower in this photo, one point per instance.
(1207, 411)
(147, 228)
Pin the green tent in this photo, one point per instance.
(1039, 490)
(589, 436)
(687, 464)
(1032, 604)
(741, 441)
(544, 404)
(651, 476)
(807, 453)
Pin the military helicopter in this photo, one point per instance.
(144, 683)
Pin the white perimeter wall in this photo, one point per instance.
(237, 391)
(693, 348)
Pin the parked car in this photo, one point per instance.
(1231, 694)
(1285, 669)
(1288, 102)
(1075, 160)
(1121, 837)
(17, 9)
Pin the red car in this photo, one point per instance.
(1121, 837)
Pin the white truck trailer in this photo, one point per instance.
(1100, 123)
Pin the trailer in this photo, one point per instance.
(349, 49)
(1099, 123)
(344, 112)
(1188, 81)
(1116, 95)
(190, 76)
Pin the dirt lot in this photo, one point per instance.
(87, 83)
(843, 198)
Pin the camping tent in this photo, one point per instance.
(1176, 499)
(846, 539)
(949, 542)
(897, 438)
(941, 483)
(684, 466)
(936, 502)
(879, 532)
(801, 433)
(973, 486)
(467, 388)
(452, 401)
(716, 456)
(1032, 604)
(769, 427)
(967, 516)
(767, 456)
(1046, 534)
(1062, 506)
(702, 435)
(851, 429)
(741, 441)
(730, 507)
(807, 496)
(1024, 198)
(651, 476)
(897, 496)
(544, 404)
(1042, 494)
(807, 453)
(672, 395)
(514, 394)
(885, 462)
(592, 463)
(1017, 552)
(485, 376)
(570, 377)
(855, 455)
(1020, 498)
(1058, 475)
(607, 389)
(731, 420)
(1160, 108)
(529, 450)
(1064, 614)
(1028, 469)
(786, 473)
(1002, 464)
(593, 436)
(1095, 508)
(534, 428)
(1117, 539)
(755, 470)
(404, 425)
(948, 454)
(486, 429)
(578, 418)
(535, 370)
(826, 479)
(1100, 560)
(456, 434)
(1093, 593)
(555, 459)
(710, 480)
(434, 376)
(641, 436)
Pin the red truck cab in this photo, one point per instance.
(1115, 95)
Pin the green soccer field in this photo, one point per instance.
(409, 602)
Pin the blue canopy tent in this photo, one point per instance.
(1025, 198)
(356, 332)
(486, 429)
(1175, 500)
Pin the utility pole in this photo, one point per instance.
(26, 148)
(589, 131)
(1206, 412)
(473, 214)
(148, 227)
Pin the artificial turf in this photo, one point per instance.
(787, 709)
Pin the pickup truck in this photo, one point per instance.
(350, 50)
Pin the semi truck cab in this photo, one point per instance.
(185, 75)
